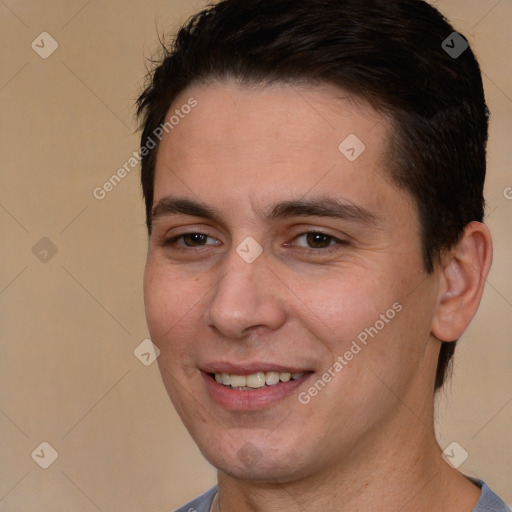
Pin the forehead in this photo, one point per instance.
(266, 140)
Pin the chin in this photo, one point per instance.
(257, 461)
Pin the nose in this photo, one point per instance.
(247, 297)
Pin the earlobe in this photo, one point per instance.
(464, 270)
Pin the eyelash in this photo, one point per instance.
(171, 241)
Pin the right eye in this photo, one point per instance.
(190, 240)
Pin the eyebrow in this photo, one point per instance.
(313, 207)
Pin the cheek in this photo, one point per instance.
(169, 302)
(345, 303)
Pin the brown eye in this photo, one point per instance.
(189, 240)
(193, 239)
(319, 240)
(316, 240)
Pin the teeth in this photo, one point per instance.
(271, 378)
(238, 381)
(255, 380)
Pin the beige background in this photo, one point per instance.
(69, 326)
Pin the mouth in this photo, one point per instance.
(252, 388)
(256, 380)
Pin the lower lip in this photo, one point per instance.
(246, 400)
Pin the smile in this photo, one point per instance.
(255, 380)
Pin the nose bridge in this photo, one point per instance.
(243, 297)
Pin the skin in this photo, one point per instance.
(366, 441)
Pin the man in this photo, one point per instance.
(313, 177)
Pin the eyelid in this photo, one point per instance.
(179, 231)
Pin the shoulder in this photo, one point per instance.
(202, 503)
(489, 502)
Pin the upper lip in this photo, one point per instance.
(250, 368)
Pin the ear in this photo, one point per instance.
(464, 270)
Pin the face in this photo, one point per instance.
(280, 258)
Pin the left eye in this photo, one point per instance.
(319, 240)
